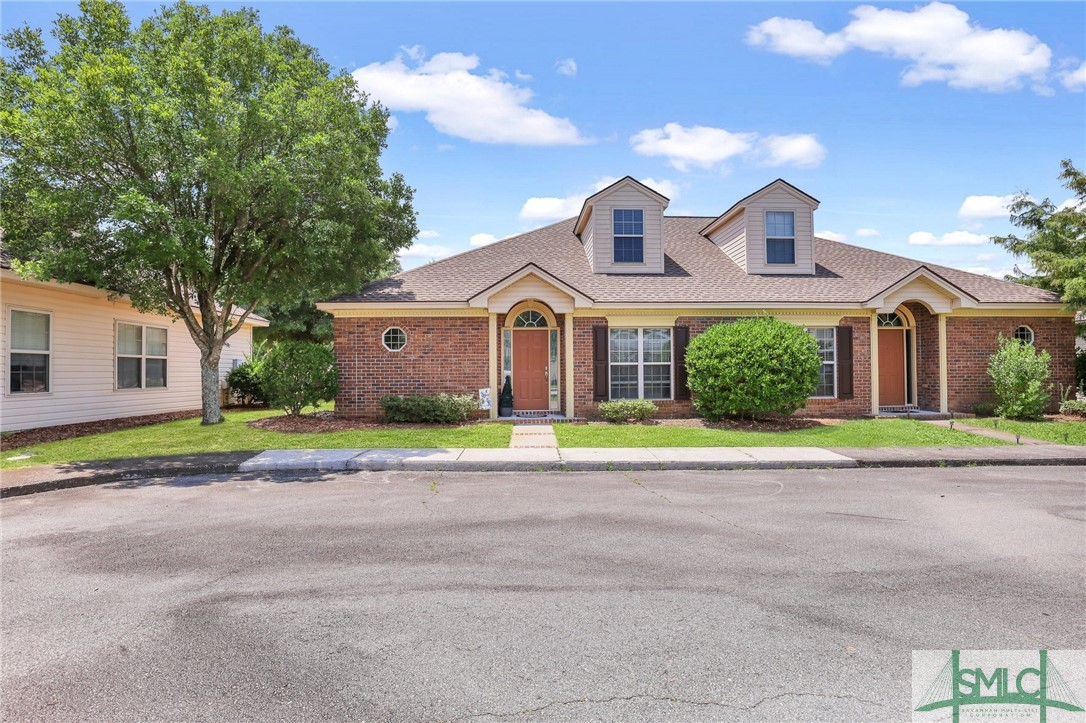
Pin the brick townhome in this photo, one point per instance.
(602, 306)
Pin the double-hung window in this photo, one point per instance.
(827, 351)
(30, 352)
(640, 362)
(141, 356)
(629, 235)
(780, 237)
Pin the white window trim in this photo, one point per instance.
(766, 237)
(387, 347)
(143, 357)
(641, 361)
(11, 350)
(1032, 333)
(642, 262)
(810, 330)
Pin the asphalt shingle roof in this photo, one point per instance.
(695, 271)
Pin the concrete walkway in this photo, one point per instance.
(532, 436)
(30, 480)
(986, 432)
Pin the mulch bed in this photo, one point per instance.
(327, 422)
(41, 435)
(769, 424)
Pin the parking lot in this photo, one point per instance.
(787, 595)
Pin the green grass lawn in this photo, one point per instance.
(188, 437)
(1050, 431)
(856, 433)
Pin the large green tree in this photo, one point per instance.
(1055, 239)
(195, 163)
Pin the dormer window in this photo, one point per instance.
(780, 237)
(629, 235)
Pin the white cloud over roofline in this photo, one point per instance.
(460, 101)
(938, 42)
(953, 238)
(545, 209)
(685, 147)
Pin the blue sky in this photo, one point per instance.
(910, 122)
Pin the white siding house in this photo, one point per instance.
(73, 355)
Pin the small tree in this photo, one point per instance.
(1020, 375)
(298, 374)
(751, 367)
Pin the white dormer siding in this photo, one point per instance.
(741, 231)
(595, 226)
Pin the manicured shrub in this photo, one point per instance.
(627, 410)
(1020, 375)
(297, 374)
(752, 367)
(243, 383)
(1073, 407)
(428, 408)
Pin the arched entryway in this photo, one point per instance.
(897, 359)
(530, 353)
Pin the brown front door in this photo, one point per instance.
(891, 367)
(530, 355)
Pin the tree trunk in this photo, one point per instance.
(209, 388)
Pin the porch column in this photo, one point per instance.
(568, 327)
(495, 393)
(875, 364)
(944, 391)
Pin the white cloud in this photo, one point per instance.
(801, 149)
(482, 239)
(701, 146)
(393, 123)
(954, 238)
(1074, 79)
(831, 235)
(939, 43)
(567, 67)
(428, 234)
(522, 77)
(867, 232)
(985, 206)
(485, 108)
(424, 251)
(988, 271)
(1070, 203)
(986, 257)
(542, 209)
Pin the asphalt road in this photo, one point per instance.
(653, 596)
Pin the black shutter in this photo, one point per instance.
(680, 336)
(601, 380)
(844, 362)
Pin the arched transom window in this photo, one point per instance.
(890, 320)
(530, 319)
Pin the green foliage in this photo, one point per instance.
(196, 163)
(1055, 240)
(621, 411)
(752, 367)
(1080, 368)
(1020, 375)
(297, 374)
(985, 409)
(428, 408)
(243, 381)
(1073, 407)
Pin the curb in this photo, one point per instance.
(116, 476)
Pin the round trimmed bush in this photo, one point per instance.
(298, 374)
(751, 367)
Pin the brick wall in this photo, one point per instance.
(861, 351)
(972, 339)
(926, 338)
(443, 354)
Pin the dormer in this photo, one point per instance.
(771, 231)
(622, 229)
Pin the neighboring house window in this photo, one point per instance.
(30, 352)
(640, 363)
(780, 237)
(141, 356)
(1024, 333)
(827, 351)
(394, 338)
(629, 231)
